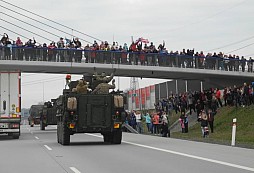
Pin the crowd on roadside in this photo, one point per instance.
(156, 122)
(203, 104)
(139, 52)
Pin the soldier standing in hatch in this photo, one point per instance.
(82, 87)
(102, 78)
(103, 88)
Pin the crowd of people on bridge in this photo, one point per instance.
(139, 52)
(204, 104)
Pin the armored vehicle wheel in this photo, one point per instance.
(116, 137)
(58, 132)
(42, 125)
(65, 134)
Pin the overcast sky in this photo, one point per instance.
(205, 25)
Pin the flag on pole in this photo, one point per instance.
(143, 40)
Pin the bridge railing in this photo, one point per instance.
(124, 57)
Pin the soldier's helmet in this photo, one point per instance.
(103, 74)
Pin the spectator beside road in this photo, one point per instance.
(181, 120)
(155, 121)
(199, 108)
(164, 121)
(148, 122)
(132, 121)
(139, 126)
(214, 104)
(211, 115)
(204, 123)
(190, 102)
(218, 96)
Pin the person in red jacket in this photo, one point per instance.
(133, 48)
(218, 96)
(155, 120)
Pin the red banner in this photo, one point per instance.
(143, 96)
(137, 98)
(130, 93)
(147, 93)
(152, 88)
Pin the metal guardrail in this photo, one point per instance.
(129, 128)
(124, 57)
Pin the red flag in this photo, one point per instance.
(143, 40)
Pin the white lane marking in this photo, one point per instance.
(36, 137)
(75, 170)
(187, 155)
(195, 157)
(48, 147)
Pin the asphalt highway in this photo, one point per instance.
(38, 152)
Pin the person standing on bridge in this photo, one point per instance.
(4, 39)
(19, 43)
(60, 53)
(51, 52)
(77, 43)
(133, 49)
(243, 63)
(250, 65)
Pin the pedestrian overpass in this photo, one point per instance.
(217, 77)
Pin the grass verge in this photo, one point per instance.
(223, 128)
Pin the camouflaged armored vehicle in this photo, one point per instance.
(48, 116)
(89, 112)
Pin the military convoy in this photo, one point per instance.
(48, 116)
(43, 115)
(35, 115)
(87, 106)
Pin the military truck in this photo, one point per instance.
(90, 113)
(35, 115)
(48, 116)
